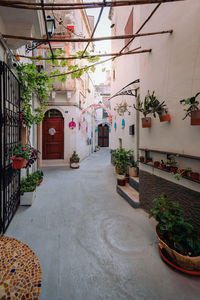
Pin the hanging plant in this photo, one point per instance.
(122, 108)
(193, 109)
(39, 84)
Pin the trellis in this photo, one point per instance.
(72, 6)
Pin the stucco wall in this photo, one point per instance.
(126, 69)
(173, 71)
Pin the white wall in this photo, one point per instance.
(173, 71)
(126, 70)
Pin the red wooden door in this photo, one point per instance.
(103, 136)
(53, 138)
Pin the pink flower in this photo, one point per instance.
(24, 149)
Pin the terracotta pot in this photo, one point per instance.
(162, 166)
(117, 170)
(194, 176)
(183, 172)
(195, 117)
(148, 161)
(133, 171)
(164, 116)
(18, 162)
(174, 170)
(74, 165)
(156, 164)
(121, 179)
(127, 178)
(186, 262)
(40, 181)
(146, 122)
(141, 159)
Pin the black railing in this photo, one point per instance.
(9, 137)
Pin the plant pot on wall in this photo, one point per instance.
(156, 164)
(194, 175)
(164, 116)
(18, 162)
(146, 122)
(195, 117)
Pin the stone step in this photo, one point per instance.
(134, 182)
(129, 194)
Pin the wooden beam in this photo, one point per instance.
(101, 62)
(78, 40)
(84, 57)
(72, 6)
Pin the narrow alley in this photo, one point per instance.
(91, 243)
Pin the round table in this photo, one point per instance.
(20, 271)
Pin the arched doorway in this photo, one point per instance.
(103, 135)
(53, 135)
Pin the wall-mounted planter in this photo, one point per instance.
(156, 164)
(194, 175)
(195, 117)
(164, 116)
(27, 198)
(146, 122)
(18, 162)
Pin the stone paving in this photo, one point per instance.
(91, 244)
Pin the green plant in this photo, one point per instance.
(182, 172)
(170, 162)
(21, 151)
(180, 234)
(29, 183)
(157, 107)
(122, 159)
(193, 105)
(144, 107)
(74, 157)
(122, 107)
(33, 82)
(131, 159)
(40, 174)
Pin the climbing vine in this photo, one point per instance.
(40, 84)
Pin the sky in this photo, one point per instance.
(102, 30)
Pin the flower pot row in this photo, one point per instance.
(187, 173)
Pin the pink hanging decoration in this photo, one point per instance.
(72, 124)
(79, 125)
(110, 118)
(86, 129)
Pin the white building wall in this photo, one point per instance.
(126, 70)
(173, 71)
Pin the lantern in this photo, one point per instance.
(72, 124)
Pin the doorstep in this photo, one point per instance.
(129, 194)
(134, 183)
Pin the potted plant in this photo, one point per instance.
(21, 155)
(194, 175)
(156, 164)
(171, 164)
(178, 236)
(121, 177)
(40, 176)
(163, 165)
(160, 109)
(132, 166)
(193, 110)
(146, 109)
(182, 173)
(148, 160)
(74, 161)
(142, 159)
(27, 189)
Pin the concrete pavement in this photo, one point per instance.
(91, 244)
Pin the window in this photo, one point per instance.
(129, 27)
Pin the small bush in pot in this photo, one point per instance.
(132, 166)
(193, 109)
(74, 161)
(21, 154)
(146, 109)
(176, 234)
